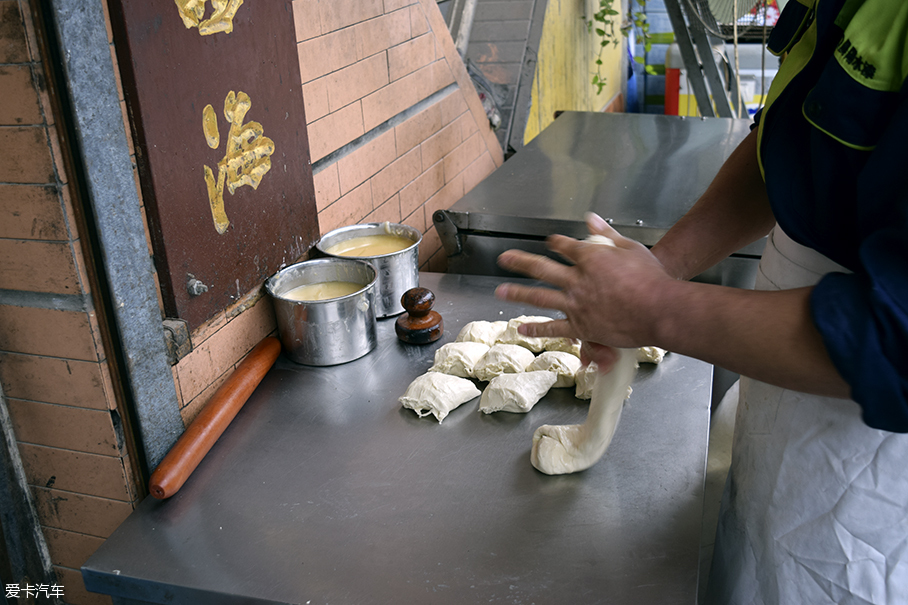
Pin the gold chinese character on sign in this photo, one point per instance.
(247, 157)
(221, 20)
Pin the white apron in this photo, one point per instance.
(815, 508)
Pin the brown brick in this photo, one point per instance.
(477, 171)
(19, 101)
(327, 186)
(410, 56)
(422, 188)
(430, 244)
(389, 101)
(467, 126)
(418, 23)
(36, 266)
(62, 426)
(396, 176)
(417, 220)
(387, 212)
(90, 474)
(391, 5)
(348, 210)
(438, 262)
(191, 409)
(224, 349)
(306, 19)
(31, 212)
(46, 332)
(463, 155)
(357, 167)
(74, 590)
(418, 128)
(70, 549)
(78, 512)
(13, 47)
(324, 54)
(452, 107)
(445, 198)
(336, 15)
(376, 35)
(25, 156)
(440, 144)
(432, 78)
(315, 99)
(335, 130)
(356, 81)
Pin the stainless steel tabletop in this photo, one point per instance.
(642, 171)
(325, 490)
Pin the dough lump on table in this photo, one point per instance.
(486, 332)
(512, 337)
(459, 358)
(650, 355)
(502, 359)
(437, 394)
(567, 345)
(516, 392)
(563, 364)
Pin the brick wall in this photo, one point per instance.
(53, 365)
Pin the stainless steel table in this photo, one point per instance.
(325, 490)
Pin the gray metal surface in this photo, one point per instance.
(642, 171)
(106, 173)
(324, 489)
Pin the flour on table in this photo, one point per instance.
(563, 364)
(459, 358)
(486, 332)
(437, 394)
(512, 337)
(502, 359)
(516, 392)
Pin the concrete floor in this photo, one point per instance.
(721, 429)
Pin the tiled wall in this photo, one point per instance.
(396, 132)
(53, 365)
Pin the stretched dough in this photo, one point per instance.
(502, 359)
(563, 364)
(486, 332)
(459, 358)
(516, 392)
(585, 379)
(559, 450)
(437, 394)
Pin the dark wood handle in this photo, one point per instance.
(417, 301)
(213, 420)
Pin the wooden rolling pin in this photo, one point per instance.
(212, 421)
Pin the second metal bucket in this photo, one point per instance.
(397, 271)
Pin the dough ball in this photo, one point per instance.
(650, 355)
(486, 332)
(512, 337)
(585, 380)
(458, 358)
(516, 392)
(437, 394)
(502, 359)
(563, 364)
(568, 345)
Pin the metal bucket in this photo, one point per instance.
(325, 332)
(397, 271)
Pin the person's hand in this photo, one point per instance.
(609, 295)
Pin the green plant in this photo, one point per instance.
(604, 22)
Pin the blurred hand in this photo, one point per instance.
(609, 295)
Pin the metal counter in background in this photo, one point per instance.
(325, 490)
(643, 172)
